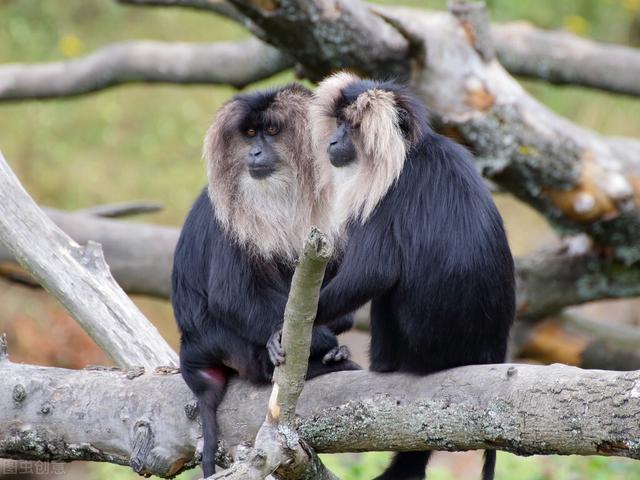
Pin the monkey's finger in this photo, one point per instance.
(277, 358)
(337, 354)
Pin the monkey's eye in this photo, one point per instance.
(272, 130)
(251, 132)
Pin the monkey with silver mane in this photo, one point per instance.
(236, 254)
(423, 239)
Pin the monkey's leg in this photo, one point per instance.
(406, 466)
(208, 385)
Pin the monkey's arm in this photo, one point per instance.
(369, 268)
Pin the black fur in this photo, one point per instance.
(434, 259)
(228, 302)
(227, 305)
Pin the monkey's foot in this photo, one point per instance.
(274, 347)
(336, 355)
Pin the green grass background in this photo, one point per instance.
(143, 142)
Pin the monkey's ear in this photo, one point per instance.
(412, 116)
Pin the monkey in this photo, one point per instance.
(235, 257)
(424, 240)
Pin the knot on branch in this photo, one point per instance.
(141, 445)
(3, 347)
(317, 246)
(474, 18)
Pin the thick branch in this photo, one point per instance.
(331, 35)
(140, 258)
(560, 57)
(580, 180)
(79, 277)
(56, 414)
(570, 274)
(219, 7)
(139, 255)
(236, 64)
(577, 341)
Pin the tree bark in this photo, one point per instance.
(236, 64)
(149, 420)
(572, 340)
(565, 59)
(140, 257)
(79, 277)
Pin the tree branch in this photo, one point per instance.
(580, 180)
(219, 7)
(277, 448)
(237, 64)
(140, 257)
(576, 341)
(122, 209)
(557, 57)
(563, 58)
(64, 415)
(79, 277)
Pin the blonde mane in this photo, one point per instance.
(381, 148)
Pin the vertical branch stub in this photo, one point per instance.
(474, 18)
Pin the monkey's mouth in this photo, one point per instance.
(260, 173)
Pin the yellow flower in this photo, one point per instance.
(70, 45)
(576, 24)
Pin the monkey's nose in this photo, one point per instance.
(256, 153)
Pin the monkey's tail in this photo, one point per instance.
(488, 470)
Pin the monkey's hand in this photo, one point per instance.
(336, 355)
(274, 347)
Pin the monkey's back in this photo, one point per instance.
(454, 300)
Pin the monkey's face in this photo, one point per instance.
(262, 158)
(364, 128)
(261, 170)
(341, 149)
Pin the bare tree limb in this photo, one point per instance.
(563, 58)
(557, 57)
(570, 274)
(63, 415)
(227, 63)
(122, 209)
(580, 180)
(140, 257)
(79, 277)
(576, 341)
(219, 7)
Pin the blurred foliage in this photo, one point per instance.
(143, 142)
(509, 467)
